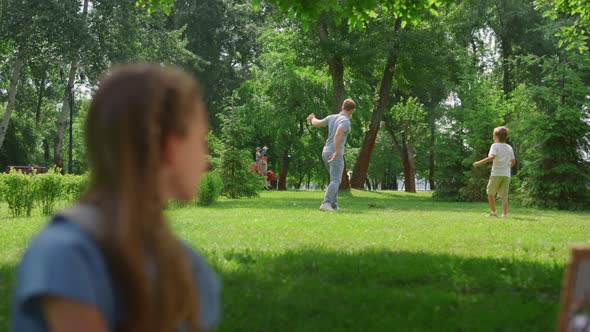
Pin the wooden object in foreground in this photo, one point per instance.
(574, 314)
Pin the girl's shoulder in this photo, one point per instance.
(61, 235)
(62, 260)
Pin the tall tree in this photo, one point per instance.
(280, 94)
(14, 79)
(356, 13)
(73, 58)
(361, 166)
(19, 35)
(575, 34)
(334, 54)
(555, 134)
(407, 117)
(420, 62)
(225, 34)
(32, 30)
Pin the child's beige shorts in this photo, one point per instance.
(498, 185)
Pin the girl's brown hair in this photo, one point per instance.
(133, 112)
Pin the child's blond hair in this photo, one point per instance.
(502, 133)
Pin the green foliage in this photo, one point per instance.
(450, 153)
(555, 134)
(48, 189)
(2, 189)
(234, 160)
(75, 186)
(153, 5)
(215, 148)
(357, 12)
(225, 34)
(408, 117)
(271, 108)
(475, 185)
(575, 35)
(482, 111)
(23, 191)
(209, 189)
(237, 181)
(306, 165)
(19, 192)
(265, 71)
(406, 125)
(385, 166)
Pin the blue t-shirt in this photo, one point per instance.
(64, 260)
(333, 122)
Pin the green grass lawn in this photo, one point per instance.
(387, 261)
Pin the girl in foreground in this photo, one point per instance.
(111, 263)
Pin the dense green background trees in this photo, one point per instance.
(431, 79)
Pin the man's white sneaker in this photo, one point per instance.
(504, 216)
(326, 207)
(492, 214)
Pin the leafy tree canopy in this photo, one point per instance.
(576, 34)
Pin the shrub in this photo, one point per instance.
(475, 188)
(75, 186)
(2, 199)
(18, 190)
(48, 189)
(237, 181)
(209, 189)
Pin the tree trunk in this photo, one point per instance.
(361, 166)
(408, 163)
(337, 70)
(40, 98)
(61, 124)
(46, 154)
(300, 179)
(345, 184)
(407, 153)
(68, 94)
(336, 65)
(431, 154)
(14, 78)
(506, 67)
(284, 171)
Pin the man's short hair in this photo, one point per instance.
(501, 133)
(348, 104)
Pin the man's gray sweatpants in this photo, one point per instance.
(336, 167)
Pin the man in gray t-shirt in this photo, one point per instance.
(333, 153)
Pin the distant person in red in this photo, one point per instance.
(253, 168)
(258, 161)
(272, 177)
(264, 165)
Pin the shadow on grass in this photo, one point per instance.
(7, 277)
(376, 290)
(318, 290)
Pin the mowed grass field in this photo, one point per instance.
(387, 261)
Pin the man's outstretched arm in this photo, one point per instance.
(315, 121)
